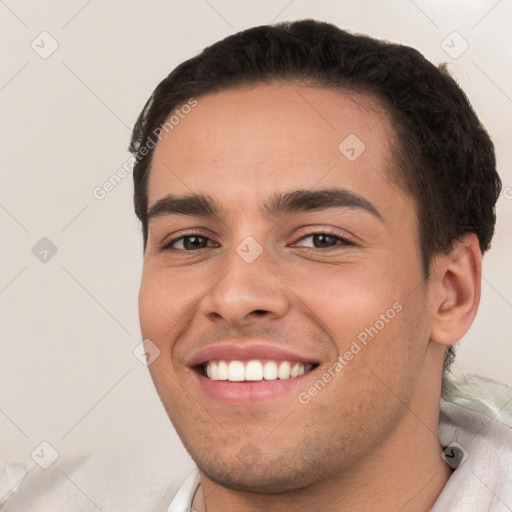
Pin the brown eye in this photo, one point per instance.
(325, 241)
(188, 243)
(322, 240)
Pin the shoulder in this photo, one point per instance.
(476, 413)
(116, 480)
(483, 395)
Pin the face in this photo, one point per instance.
(282, 285)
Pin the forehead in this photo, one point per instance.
(254, 140)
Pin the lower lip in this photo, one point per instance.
(247, 393)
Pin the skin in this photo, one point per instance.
(369, 437)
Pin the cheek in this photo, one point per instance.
(162, 306)
(345, 299)
(161, 312)
(152, 303)
(374, 314)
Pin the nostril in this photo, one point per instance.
(259, 311)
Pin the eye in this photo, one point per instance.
(189, 243)
(325, 241)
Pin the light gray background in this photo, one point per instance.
(69, 326)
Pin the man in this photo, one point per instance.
(315, 206)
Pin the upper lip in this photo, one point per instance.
(245, 352)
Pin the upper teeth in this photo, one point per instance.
(238, 371)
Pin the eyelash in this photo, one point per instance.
(169, 245)
(343, 241)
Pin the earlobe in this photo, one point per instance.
(456, 288)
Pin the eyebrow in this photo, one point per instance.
(279, 204)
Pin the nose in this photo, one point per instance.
(246, 291)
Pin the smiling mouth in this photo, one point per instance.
(254, 370)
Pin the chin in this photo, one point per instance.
(274, 476)
(260, 482)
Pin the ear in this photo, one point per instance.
(456, 285)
